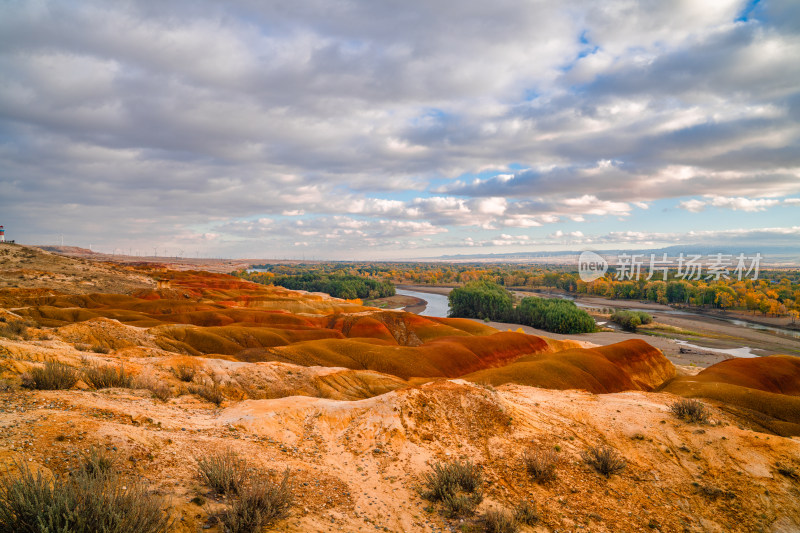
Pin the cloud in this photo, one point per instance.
(751, 205)
(139, 122)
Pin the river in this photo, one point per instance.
(437, 304)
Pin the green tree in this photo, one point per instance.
(480, 299)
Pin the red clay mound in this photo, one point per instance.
(779, 413)
(646, 365)
(628, 365)
(230, 340)
(446, 357)
(779, 374)
(763, 390)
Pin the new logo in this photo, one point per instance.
(591, 266)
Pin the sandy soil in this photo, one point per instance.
(357, 466)
(399, 301)
(27, 267)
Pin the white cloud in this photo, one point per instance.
(751, 205)
(388, 120)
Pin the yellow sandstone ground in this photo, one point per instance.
(357, 441)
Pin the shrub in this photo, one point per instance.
(787, 471)
(185, 373)
(690, 410)
(497, 521)
(52, 376)
(630, 320)
(14, 329)
(211, 393)
(605, 460)
(224, 472)
(525, 513)
(81, 503)
(541, 464)
(99, 348)
(260, 503)
(457, 485)
(97, 463)
(107, 376)
(159, 389)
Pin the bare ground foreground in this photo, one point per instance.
(358, 403)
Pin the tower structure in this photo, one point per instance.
(2, 234)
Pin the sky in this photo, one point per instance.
(356, 129)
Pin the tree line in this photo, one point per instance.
(345, 286)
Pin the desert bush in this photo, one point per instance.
(96, 462)
(81, 503)
(712, 493)
(457, 485)
(260, 503)
(185, 373)
(210, 393)
(497, 521)
(99, 348)
(690, 410)
(159, 389)
(605, 460)
(787, 471)
(107, 376)
(82, 347)
(525, 513)
(541, 464)
(52, 376)
(15, 329)
(225, 472)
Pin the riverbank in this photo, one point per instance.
(399, 301)
(710, 332)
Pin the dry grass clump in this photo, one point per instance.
(225, 472)
(159, 389)
(541, 464)
(211, 393)
(458, 486)
(256, 502)
(787, 471)
(15, 329)
(690, 410)
(96, 462)
(107, 376)
(497, 521)
(52, 376)
(260, 503)
(525, 513)
(605, 460)
(185, 373)
(88, 501)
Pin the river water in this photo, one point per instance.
(437, 303)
